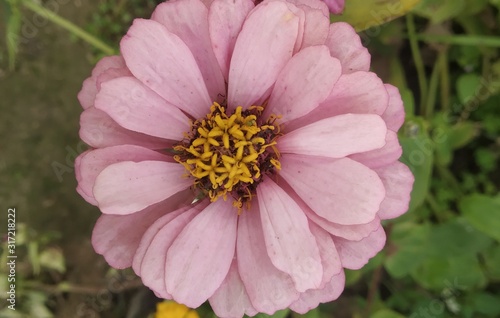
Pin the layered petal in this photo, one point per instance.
(345, 44)
(164, 63)
(200, 257)
(259, 57)
(337, 136)
(355, 254)
(153, 270)
(312, 298)
(231, 299)
(357, 93)
(127, 187)
(330, 258)
(99, 130)
(136, 107)
(225, 19)
(381, 157)
(304, 83)
(342, 191)
(117, 237)
(269, 289)
(189, 21)
(91, 163)
(86, 96)
(394, 115)
(398, 183)
(290, 244)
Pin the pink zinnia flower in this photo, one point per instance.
(268, 119)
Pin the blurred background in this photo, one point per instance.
(442, 258)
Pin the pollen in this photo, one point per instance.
(230, 154)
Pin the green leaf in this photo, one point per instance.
(462, 134)
(440, 10)
(491, 260)
(483, 213)
(362, 14)
(455, 238)
(52, 258)
(456, 273)
(386, 313)
(486, 304)
(315, 313)
(408, 248)
(279, 314)
(467, 87)
(418, 155)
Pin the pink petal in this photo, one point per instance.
(349, 232)
(312, 4)
(355, 255)
(200, 257)
(189, 21)
(231, 299)
(269, 289)
(354, 232)
(89, 198)
(111, 74)
(335, 6)
(381, 157)
(164, 63)
(117, 237)
(258, 56)
(330, 259)
(316, 22)
(312, 298)
(345, 44)
(225, 19)
(339, 190)
(151, 232)
(398, 182)
(394, 115)
(336, 137)
(153, 271)
(305, 81)
(135, 107)
(89, 89)
(98, 130)
(127, 187)
(357, 93)
(93, 162)
(290, 244)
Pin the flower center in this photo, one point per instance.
(230, 154)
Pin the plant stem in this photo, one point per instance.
(445, 80)
(417, 58)
(72, 28)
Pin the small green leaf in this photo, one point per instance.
(386, 313)
(440, 10)
(483, 213)
(362, 14)
(455, 238)
(408, 248)
(491, 260)
(418, 155)
(314, 313)
(279, 314)
(467, 87)
(52, 258)
(457, 273)
(486, 304)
